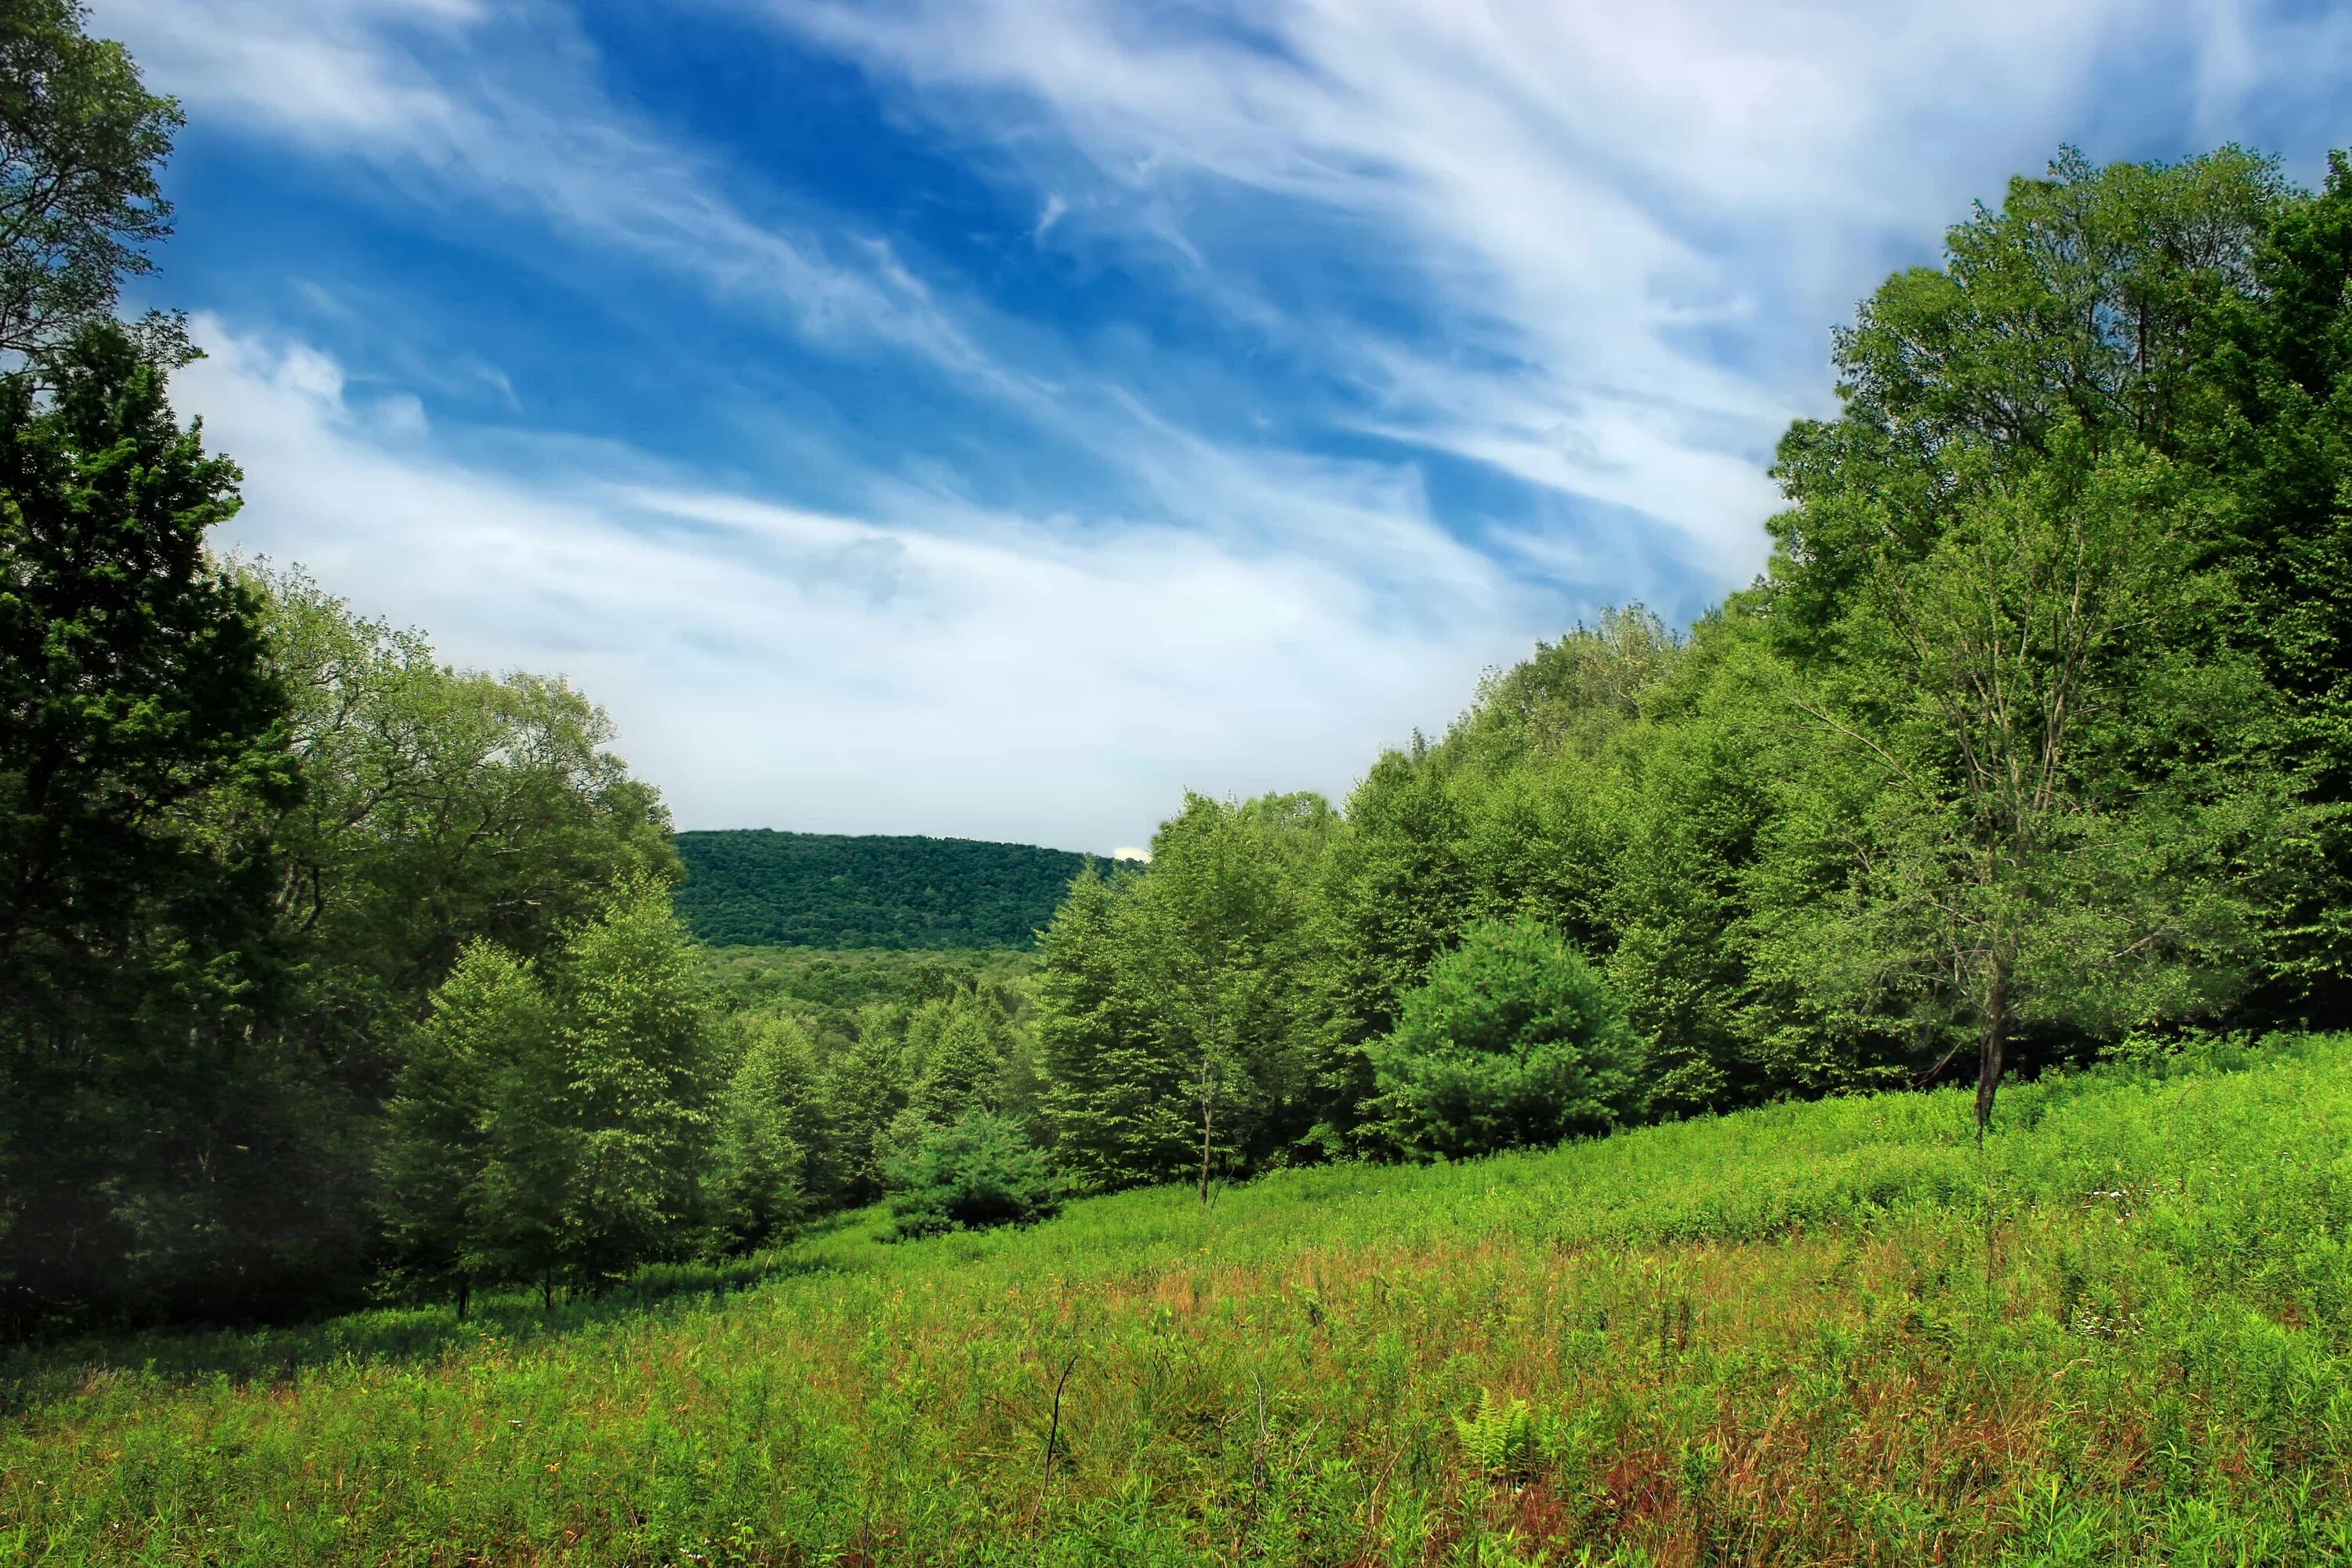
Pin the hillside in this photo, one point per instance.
(757, 887)
(1775, 1337)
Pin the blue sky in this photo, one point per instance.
(992, 418)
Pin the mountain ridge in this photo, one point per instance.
(763, 886)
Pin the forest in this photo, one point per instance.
(330, 971)
(760, 888)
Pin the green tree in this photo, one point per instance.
(1513, 1041)
(2276, 448)
(1114, 1103)
(764, 1130)
(142, 744)
(1218, 961)
(2000, 579)
(863, 1091)
(80, 139)
(475, 1070)
(637, 1051)
(440, 808)
(978, 1171)
(2016, 864)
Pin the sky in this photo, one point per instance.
(995, 418)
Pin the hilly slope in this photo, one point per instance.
(753, 888)
(1832, 1332)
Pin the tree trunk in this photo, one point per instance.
(1208, 1124)
(1996, 1039)
(465, 1295)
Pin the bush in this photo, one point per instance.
(1512, 1041)
(980, 1171)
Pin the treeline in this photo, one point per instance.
(2030, 745)
(760, 888)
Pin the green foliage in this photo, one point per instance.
(865, 1090)
(1512, 1041)
(637, 1046)
(1774, 1336)
(154, 1143)
(834, 983)
(475, 1065)
(766, 1125)
(558, 1130)
(441, 807)
(79, 201)
(760, 888)
(1183, 1012)
(2030, 740)
(977, 1171)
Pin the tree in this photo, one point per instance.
(1194, 996)
(2033, 690)
(1513, 1041)
(2276, 450)
(472, 1091)
(2001, 579)
(1114, 1107)
(764, 1130)
(80, 138)
(978, 1171)
(863, 1091)
(143, 747)
(636, 1048)
(441, 807)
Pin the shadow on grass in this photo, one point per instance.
(37, 1375)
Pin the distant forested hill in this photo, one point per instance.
(760, 888)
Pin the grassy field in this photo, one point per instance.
(1825, 1333)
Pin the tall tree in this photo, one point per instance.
(80, 138)
(143, 746)
(2015, 855)
(763, 1131)
(441, 807)
(637, 1040)
(1114, 1106)
(475, 1067)
(1204, 981)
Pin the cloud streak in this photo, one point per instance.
(1631, 225)
(456, 99)
(985, 675)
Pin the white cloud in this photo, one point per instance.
(954, 671)
(1633, 224)
(457, 101)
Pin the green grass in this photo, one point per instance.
(1824, 1333)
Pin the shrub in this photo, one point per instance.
(981, 1170)
(1513, 1040)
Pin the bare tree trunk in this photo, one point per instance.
(1996, 1040)
(1208, 1124)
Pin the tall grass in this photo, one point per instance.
(1820, 1333)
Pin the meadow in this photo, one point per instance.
(1830, 1332)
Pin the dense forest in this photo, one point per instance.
(758, 888)
(328, 969)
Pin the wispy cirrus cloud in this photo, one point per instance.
(924, 666)
(1626, 229)
(462, 102)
